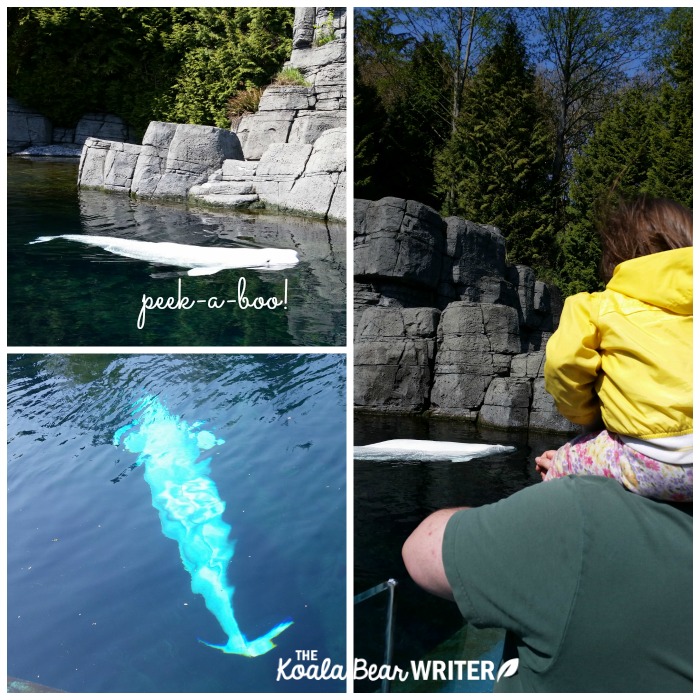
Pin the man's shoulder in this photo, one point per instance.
(546, 563)
(576, 501)
(597, 492)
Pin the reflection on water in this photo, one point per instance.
(98, 600)
(391, 499)
(64, 293)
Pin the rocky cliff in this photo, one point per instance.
(301, 113)
(289, 156)
(444, 324)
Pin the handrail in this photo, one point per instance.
(388, 585)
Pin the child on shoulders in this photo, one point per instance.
(620, 362)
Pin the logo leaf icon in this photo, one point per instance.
(508, 668)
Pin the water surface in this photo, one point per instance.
(64, 293)
(98, 599)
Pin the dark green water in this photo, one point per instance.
(392, 498)
(64, 293)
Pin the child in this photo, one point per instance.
(622, 358)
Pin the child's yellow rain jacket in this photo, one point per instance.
(625, 354)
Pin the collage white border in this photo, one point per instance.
(346, 350)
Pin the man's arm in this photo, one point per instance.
(422, 554)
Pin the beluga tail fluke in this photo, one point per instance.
(201, 260)
(190, 509)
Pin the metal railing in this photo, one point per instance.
(389, 586)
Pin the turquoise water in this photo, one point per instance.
(191, 511)
(101, 595)
(65, 293)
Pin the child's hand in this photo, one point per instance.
(544, 462)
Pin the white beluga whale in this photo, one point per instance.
(200, 260)
(426, 451)
(191, 511)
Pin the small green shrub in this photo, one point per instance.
(325, 32)
(290, 76)
(243, 102)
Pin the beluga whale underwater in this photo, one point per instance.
(200, 260)
(191, 510)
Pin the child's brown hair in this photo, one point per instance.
(642, 226)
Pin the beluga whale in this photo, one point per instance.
(190, 508)
(426, 451)
(200, 260)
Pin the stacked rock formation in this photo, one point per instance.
(171, 159)
(444, 324)
(301, 113)
(294, 145)
(289, 156)
(301, 178)
(30, 133)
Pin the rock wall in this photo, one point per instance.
(289, 156)
(30, 133)
(26, 127)
(290, 177)
(444, 324)
(300, 114)
(298, 135)
(172, 158)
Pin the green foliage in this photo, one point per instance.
(459, 36)
(494, 168)
(615, 158)
(174, 64)
(368, 141)
(401, 115)
(671, 171)
(65, 61)
(225, 50)
(643, 144)
(290, 76)
(325, 33)
(533, 152)
(587, 53)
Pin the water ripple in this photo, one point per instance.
(95, 591)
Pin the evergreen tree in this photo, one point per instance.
(225, 50)
(671, 171)
(587, 54)
(401, 114)
(66, 61)
(458, 36)
(370, 120)
(644, 144)
(615, 160)
(414, 130)
(176, 64)
(494, 169)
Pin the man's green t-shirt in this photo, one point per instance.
(592, 582)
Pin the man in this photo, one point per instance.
(592, 583)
